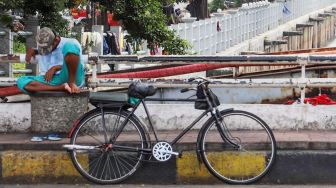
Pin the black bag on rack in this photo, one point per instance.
(203, 105)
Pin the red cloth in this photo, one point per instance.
(110, 20)
(76, 15)
(322, 99)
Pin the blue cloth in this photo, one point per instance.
(106, 49)
(286, 10)
(68, 46)
(55, 57)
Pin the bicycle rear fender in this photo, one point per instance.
(198, 145)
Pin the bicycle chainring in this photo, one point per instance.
(162, 151)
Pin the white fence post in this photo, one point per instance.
(6, 47)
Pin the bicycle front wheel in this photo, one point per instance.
(240, 150)
(101, 155)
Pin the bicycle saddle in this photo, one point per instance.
(141, 90)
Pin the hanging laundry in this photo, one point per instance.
(129, 48)
(106, 49)
(96, 41)
(113, 44)
(91, 42)
(96, 38)
(86, 38)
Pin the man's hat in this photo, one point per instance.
(45, 39)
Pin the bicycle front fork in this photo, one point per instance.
(223, 130)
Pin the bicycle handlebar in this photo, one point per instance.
(199, 80)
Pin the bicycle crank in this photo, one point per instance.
(162, 151)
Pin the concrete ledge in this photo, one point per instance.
(167, 117)
(291, 167)
(278, 117)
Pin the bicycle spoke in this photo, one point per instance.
(123, 162)
(115, 160)
(107, 168)
(104, 166)
(95, 138)
(124, 158)
(119, 164)
(97, 165)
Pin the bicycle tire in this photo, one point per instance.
(107, 166)
(238, 165)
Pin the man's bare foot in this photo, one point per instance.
(74, 88)
(67, 87)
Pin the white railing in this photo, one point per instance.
(243, 24)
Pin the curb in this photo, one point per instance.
(291, 167)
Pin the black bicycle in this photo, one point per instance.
(108, 144)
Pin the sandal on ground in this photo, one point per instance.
(37, 139)
(54, 137)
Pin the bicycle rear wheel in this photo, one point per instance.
(101, 160)
(244, 153)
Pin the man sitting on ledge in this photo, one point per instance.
(61, 64)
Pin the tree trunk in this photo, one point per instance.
(201, 9)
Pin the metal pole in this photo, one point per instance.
(303, 62)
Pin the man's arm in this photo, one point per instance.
(50, 73)
(30, 52)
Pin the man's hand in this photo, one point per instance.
(29, 54)
(49, 75)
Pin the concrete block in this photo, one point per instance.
(275, 42)
(304, 25)
(38, 167)
(15, 117)
(56, 111)
(324, 15)
(292, 33)
(317, 19)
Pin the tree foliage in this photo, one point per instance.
(144, 19)
(48, 11)
(216, 4)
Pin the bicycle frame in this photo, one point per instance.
(211, 109)
(142, 101)
(184, 131)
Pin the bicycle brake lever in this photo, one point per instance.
(184, 90)
(191, 79)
